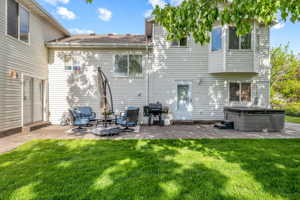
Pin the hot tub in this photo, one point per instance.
(255, 119)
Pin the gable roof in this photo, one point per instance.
(40, 11)
(109, 40)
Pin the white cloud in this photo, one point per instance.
(176, 2)
(104, 14)
(65, 13)
(54, 2)
(80, 31)
(148, 13)
(278, 26)
(160, 3)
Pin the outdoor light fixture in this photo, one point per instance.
(13, 74)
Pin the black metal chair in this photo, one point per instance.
(129, 119)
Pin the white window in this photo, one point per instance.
(128, 65)
(121, 65)
(216, 41)
(24, 24)
(71, 63)
(236, 42)
(17, 21)
(240, 92)
(179, 43)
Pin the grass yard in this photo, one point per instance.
(292, 119)
(152, 169)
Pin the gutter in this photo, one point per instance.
(96, 45)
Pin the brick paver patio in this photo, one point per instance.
(154, 132)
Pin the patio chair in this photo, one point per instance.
(129, 119)
(86, 112)
(78, 120)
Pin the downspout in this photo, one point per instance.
(148, 72)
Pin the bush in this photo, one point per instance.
(292, 109)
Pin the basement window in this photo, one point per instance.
(128, 65)
(17, 21)
(240, 92)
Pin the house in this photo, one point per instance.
(24, 29)
(195, 81)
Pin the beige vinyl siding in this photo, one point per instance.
(68, 88)
(185, 64)
(239, 61)
(28, 59)
(216, 61)
(209, 91)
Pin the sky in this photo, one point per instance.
(127, 16)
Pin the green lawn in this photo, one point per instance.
(292, 119)
(152, 169)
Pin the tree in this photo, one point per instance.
(197, 17)
(285, 76)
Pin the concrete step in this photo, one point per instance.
(34, 126)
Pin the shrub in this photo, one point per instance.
(292, 109)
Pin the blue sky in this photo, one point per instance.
(127, 16)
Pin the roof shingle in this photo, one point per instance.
(110, 38)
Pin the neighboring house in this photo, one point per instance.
(24, 29)
(194, 81)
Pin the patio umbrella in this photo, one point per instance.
(106, 102)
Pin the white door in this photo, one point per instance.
(27, 100)
(184, 101)
(38, 99)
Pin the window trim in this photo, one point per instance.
(29, 16)
(240, 92)
(178, 45)
(222, 45)
(29, 22)
(114, 66)
(72, 66)
(127, 75)
(240, 41)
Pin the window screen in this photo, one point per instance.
(216, 39)
(246, 41)
(175, 43)
(135, 64)
(24, 24)
(179, 43)
(246, 92)
(121, 64)
(234, 92)
(12, 18)
(233, 38)
(183, 42)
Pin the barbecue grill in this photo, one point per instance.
(154, 110)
